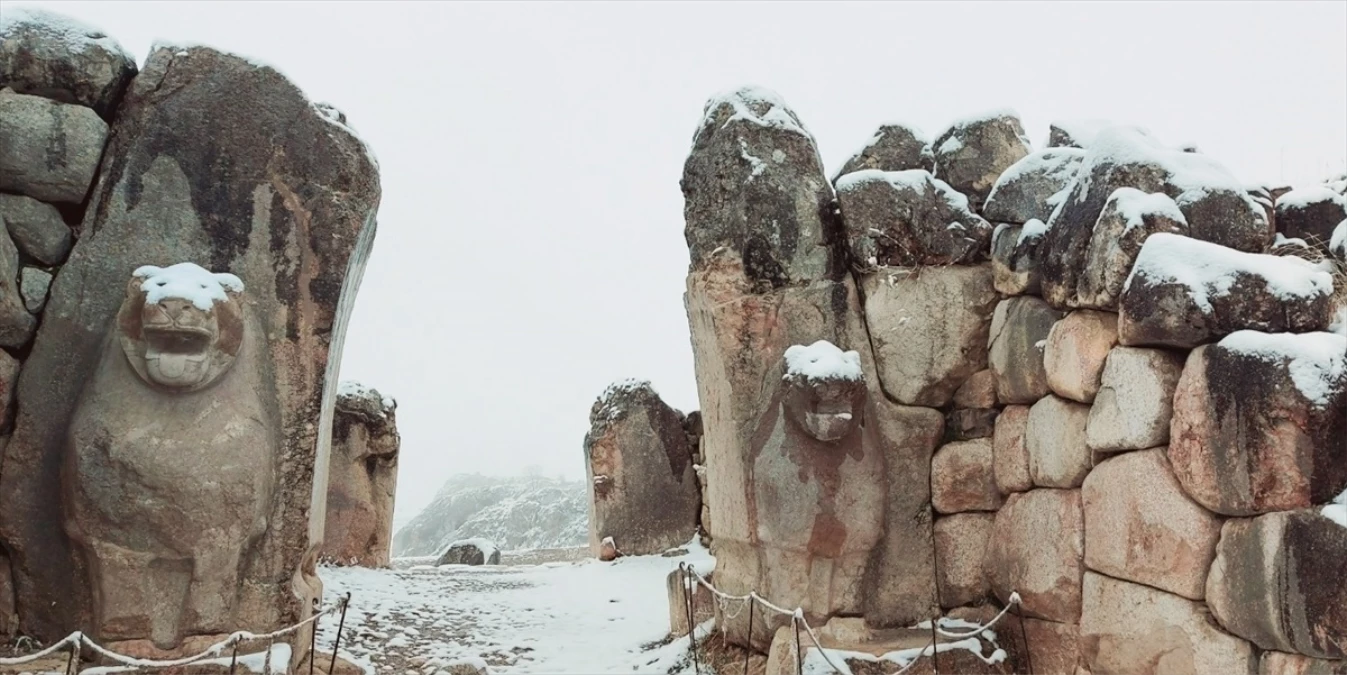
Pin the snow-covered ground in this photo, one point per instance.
(567, 617)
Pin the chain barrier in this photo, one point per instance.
(691, 576)
(77, 640)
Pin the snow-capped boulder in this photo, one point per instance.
(894, 147)
(1215, 205)
(37, 228)
(928, 329)
(1183, 292)
(1019, 333)
(362, 477)
(1311, 214)
(972, 153)
(46, 54)
(1260, 422)
(1015, 252)
(643, 485)
(470, 552)
(1075, 133)
(755, 193)
(1032, 187)
(48, 150)
(1277, 581)
(908, 218)
(1129, 217)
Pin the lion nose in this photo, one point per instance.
(174, 307)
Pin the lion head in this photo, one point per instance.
(181, 326)
(825, 390)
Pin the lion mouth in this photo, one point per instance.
(177, 355)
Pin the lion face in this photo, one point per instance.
(181, 326)
(829, 410)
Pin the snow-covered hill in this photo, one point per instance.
(519, 513)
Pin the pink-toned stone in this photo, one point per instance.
(978, 391)
(1050, 647)
(1281, 663)
(1278, 581)
(1135, 403)
(1036, 550)
(1055, 440)
(1010, 455)
(961, 547)
(1075, 353)
(1136, 629)
(1141, 527)
(962, 479)
(1245, 439)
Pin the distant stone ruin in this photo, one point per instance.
(1104, 375)
(362, 478)
(185, 242)
(644, 489)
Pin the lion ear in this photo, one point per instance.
(138, 277)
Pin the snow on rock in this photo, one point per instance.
(515, 513)
(1337, 244)
(187, 281)
(350, 389)
(54, 56)
(823, 361)
(1032, 187)
(1134, 205)
(894, 147)
(907, 218)
(1183, 292)
(1075, 133)
(1315, 361)
(1337, 510)
(755, 105)
(973, 152)
(580, 617)
(1311, 213)
(1306, 196)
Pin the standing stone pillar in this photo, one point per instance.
(217, 161)
(362, 478)
(796, 490)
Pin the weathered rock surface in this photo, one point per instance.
(1184, 292)
(900, 584)
(470, 552)
(9, 381)
(1141, 527)
(929, 329)
(703, 603)
(973, 153)
(1281, 663)
(962, 479)
(636, 447)
(1032, 187)
(961, 548)
(1015, 251)
(1260, 422)
(362, 478)
(1055, 440)
(1036, 549)
(1010, 452)
(37, 228)
(1277, 581)
(1130, 628)
(1052, 647)
(48, 150)
(9, 620)
(1311, 214)
(908, 218)
(16, 323)
(1074, 355)
(1338, 244)
(1075, 133)
(970, 423)
(33, 285)
(1019, 333)
(978, 391)
(1135, 403)
(754, 183)
(1129, 217)
(259, 183)
(894, 147)
(51, 55)
(1214, 204)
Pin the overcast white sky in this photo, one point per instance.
(530, 245)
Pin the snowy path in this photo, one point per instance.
(578, 617)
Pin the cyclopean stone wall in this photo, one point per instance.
(220, 225)
(1104, 375)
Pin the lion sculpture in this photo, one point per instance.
(168, 474)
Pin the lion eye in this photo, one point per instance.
(161, 284)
